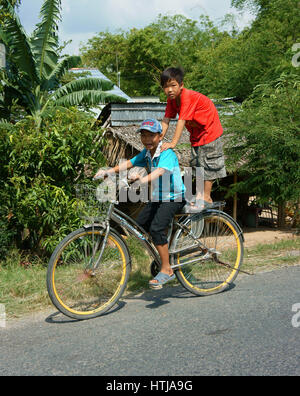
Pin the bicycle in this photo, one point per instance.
(89, 269)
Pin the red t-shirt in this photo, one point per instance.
(200, 114)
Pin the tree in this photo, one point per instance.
(252, 5)
(14, 3)
(34, 70)
(107, 52)
(256, 55)
(38, 174)
(142, 54)
(265, 141)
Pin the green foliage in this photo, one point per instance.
(86, 91)
(40, 167)
(217, 62)
(39, 172)
(265, 141)
(256, 55)
(14, 3)
(3, 12)
(34, 71)
(142, 54)
(44, 41)
(6, 234)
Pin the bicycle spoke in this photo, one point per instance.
(81, 282)
(216, 262)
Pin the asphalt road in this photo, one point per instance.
(248, 330)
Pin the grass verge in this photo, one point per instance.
(271, 256)
(23, 279)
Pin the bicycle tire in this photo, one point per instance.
(79, 291)
(208, 276)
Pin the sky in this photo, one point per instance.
(83, 19)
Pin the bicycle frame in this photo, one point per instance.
(130, 226)
(205, 253)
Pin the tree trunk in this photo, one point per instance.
(281, 214)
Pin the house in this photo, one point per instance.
(144, 99)
(121, 120)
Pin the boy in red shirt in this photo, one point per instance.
(200, 117)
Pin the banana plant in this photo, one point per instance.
(34, 69)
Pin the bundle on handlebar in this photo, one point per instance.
(121, 183)
(92, 202)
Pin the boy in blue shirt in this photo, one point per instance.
(167, 195)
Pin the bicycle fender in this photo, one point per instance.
(113, 230)
(93, 225)
(216, 212)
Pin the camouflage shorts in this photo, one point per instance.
(210, 157)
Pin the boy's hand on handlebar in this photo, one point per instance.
(135, 177)
(101, 174)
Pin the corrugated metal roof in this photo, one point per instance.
(133, 113)
(95, 73)
(125, 114)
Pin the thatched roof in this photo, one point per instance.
(130, 137)
(121, 122)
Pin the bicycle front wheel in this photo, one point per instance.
(211, 266)
(86, 276)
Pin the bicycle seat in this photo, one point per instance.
(190, 209)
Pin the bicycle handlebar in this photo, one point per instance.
(123, 183)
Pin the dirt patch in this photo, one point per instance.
(256, 236)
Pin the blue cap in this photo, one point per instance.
(151, 125)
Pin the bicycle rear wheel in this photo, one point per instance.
(212, 270)
(78, 285)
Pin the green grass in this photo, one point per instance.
(271, 256)
(22, 287)
(23, 279)
(141, 261)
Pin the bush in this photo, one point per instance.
(40, 171)
(6, 236)
(265, 145)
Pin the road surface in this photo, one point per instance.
(248, 330)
